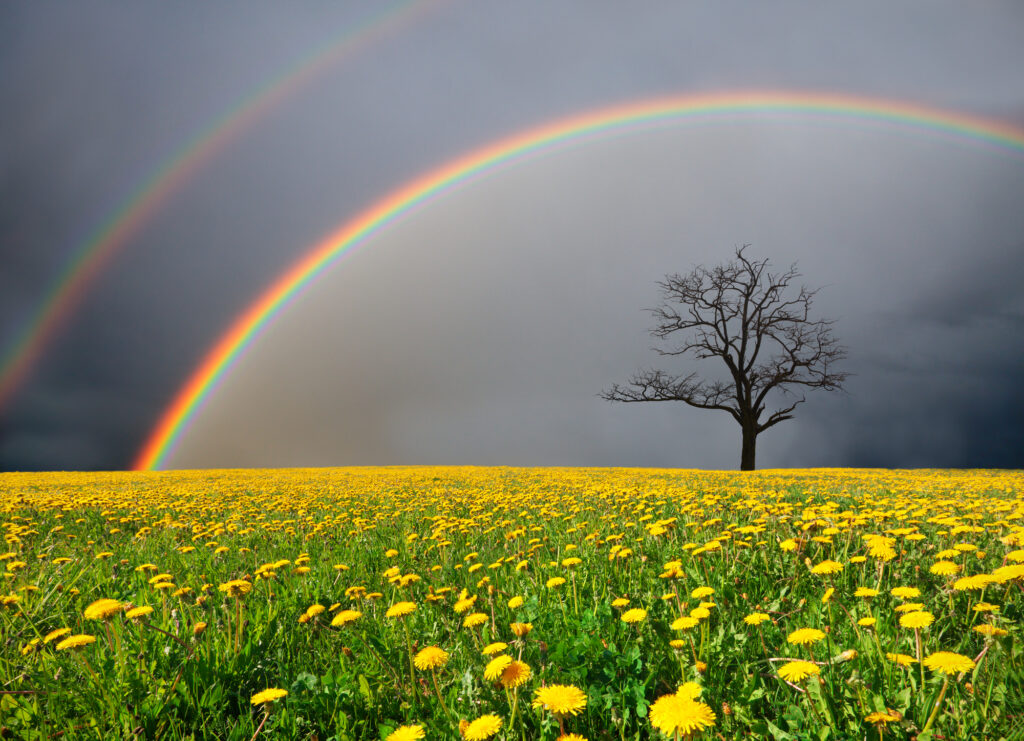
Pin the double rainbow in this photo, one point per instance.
(662, 112)
(96, 251)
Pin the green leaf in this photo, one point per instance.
(903, 699)
(364, 689)
(305, 681)
(777, 733)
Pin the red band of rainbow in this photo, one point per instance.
(704, 108)
(91, 256)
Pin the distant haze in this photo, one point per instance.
(481, 329)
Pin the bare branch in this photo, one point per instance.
(746, 315)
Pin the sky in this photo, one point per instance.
(482, 327)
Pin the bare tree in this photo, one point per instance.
(740, 313)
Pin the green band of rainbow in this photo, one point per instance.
(706, 108)
(91, 256)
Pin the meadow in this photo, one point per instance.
(494, 603)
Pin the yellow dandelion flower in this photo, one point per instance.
(905, 592)
(494, 648)
(55, 634)
(406, 733)
(795, 671)
(880, 718)
(916, 620)
(756, 618)
(515, 603)
(482, 728)
(236, 588)
(430, 657)
(271, 694)
(827, 567)
(314, 610)
(672, 715)
(990, 630)
(137, 612)
(515, 674)
(636, 615)
(865, 592)
(555, 581)
(496, 666)
(901, 659)
(827, 597)
(400, 609)
(804, 636)
(1008, 573)
(909, 607)
(103, 609)
(571, 737)
(866, 622)
(945, 568)
(464, 604)
(689, 690)
(700, 613)
(948, 662)
(684, 623)
(985, 607)
(702, 592)
(560, 699)
(477, 618)
(344, 617)
(521, 630)
(620, 602)
(978, 581)
(76, 641)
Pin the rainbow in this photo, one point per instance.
(643, 115)
(88, 260)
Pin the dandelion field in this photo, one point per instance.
(406, 603)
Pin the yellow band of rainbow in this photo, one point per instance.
(694, 109)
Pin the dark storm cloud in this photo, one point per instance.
(96, 94)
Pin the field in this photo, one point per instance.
(406, 603)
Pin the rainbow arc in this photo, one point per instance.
(705, 109)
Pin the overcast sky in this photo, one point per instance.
(481, 328)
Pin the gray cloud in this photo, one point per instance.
(481, 329)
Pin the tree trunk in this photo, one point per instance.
(749, 447)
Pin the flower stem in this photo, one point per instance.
(938, 704)
(440, 699)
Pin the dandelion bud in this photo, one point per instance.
(347, 651)
(726, 709)
(969, 687)
(701, 667)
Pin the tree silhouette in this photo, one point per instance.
(750, 319)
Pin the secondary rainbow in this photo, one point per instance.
(630, 117)
(88, 259)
